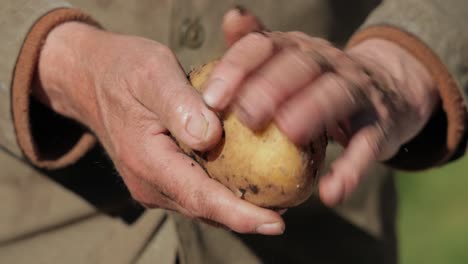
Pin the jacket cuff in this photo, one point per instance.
(443, 137)
(47, 139)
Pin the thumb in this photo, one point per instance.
(239, 22)
(165, 92)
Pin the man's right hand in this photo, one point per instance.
(132, 93)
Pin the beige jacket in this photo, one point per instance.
(41, 153)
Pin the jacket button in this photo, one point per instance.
(104, 3)
(192, 33)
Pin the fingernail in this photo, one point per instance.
(261, 32)
(213, 94)
(282, 211)
(197, 127)
(271, 229)
(241, 9)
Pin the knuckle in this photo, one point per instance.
(290, 129)
(307, 41)
(165, 52)
(376, 142)
(231, 68)
(384, 114)
(262, 86)
(241, 225)
(357, 94)
(283, 40)
(299, 35)
(351, 181)
(304, 61)
(254, 41)
(234, 66)
(142, 72)
(198, 203)
(204, 206)
(255, 36)
(255, 120)
(147, 68)
(321, 41)
(364, 80)
(176, 108)
(340, 57)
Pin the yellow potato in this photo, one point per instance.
(264, 168)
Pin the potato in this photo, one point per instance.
(264, 167)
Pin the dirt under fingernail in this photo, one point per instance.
(242, 10)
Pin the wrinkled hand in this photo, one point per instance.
(133, 94)
(372, 98)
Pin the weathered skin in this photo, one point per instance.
(264, 167)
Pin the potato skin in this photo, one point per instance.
(264, 168)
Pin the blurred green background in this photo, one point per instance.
(433, 215)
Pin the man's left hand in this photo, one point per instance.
(372, 98)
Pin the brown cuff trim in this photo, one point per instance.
(453, 109)
(21, 97)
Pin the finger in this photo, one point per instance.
(188, 185)
(239, 22)
(245, 56)
(325, 101)
(134, 166)
(307, 39)
(166, 92)
(341, 133)
(273, 83)
(281, 211)
(346, 173)
(150, 196)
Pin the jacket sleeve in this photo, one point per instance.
(434, 31)
(27, 129)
